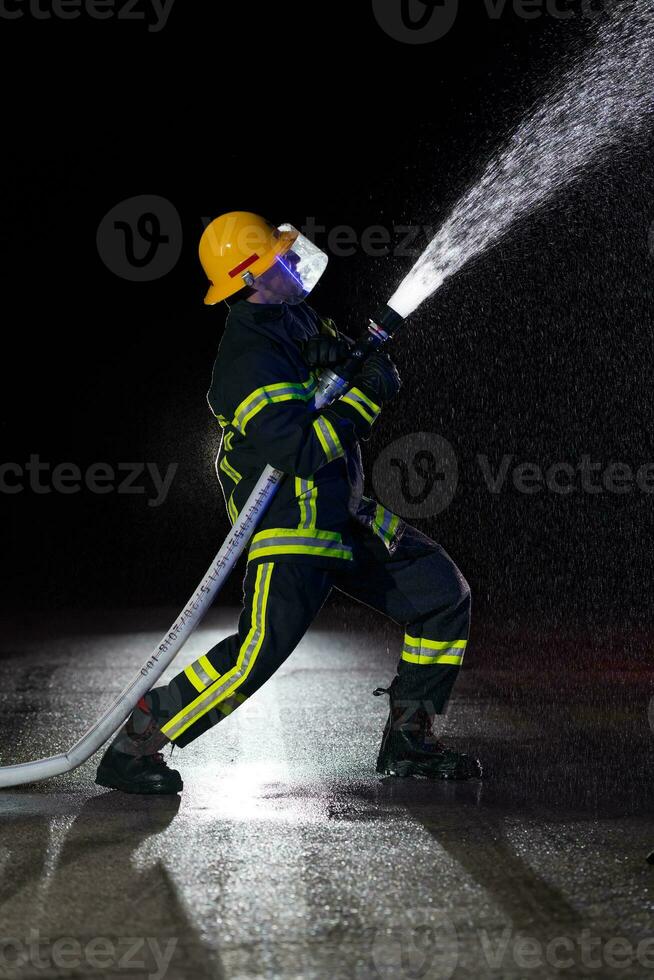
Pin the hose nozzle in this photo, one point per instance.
(380, 329)
(386, 324)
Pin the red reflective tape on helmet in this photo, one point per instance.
(244, 265)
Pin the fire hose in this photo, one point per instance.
(330, 387)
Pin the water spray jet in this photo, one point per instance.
(603, 100)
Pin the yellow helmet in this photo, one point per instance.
(238, 247)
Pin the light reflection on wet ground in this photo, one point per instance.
(286, 856)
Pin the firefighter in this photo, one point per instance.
(320, 531)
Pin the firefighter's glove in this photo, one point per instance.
(379, 378)
(325, 352)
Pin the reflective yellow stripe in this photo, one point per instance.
(221, 689)
(209, 667)
(193, 677)
(229, 439)
(360, 409)
(201, 673)
(364, 406)
(227, 468)
(385, 524)
(299, 541)
(413, 651)
(269, 400)
(299, 495)
(323, 441)
(234, 475)
(414, 641)
(306, 493)
(229, 704)
(332, 432)
(293, 532)
(416, 658)
(301, 549)
(281, 391)
(328, 439)
(312, 505)
(375, 409)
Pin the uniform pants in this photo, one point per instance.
(419, 586)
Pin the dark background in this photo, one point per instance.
(541, 348)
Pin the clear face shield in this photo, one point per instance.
(295, 273)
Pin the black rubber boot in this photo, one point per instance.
(409, 748)
(137, 774)
(132, 763)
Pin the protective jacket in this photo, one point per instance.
(263, 395)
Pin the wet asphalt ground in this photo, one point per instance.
(287, 856)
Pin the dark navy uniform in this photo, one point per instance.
(319, 531)
(262, 394)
